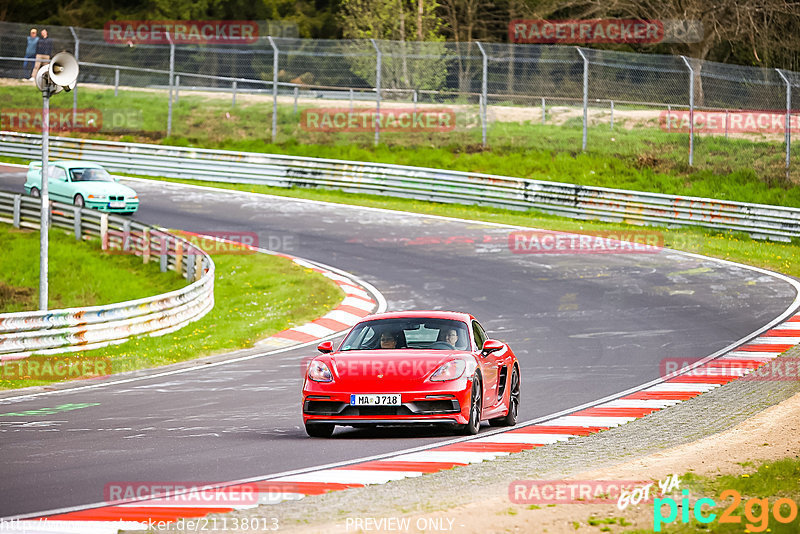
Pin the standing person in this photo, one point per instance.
(44, 49)
(30, 53)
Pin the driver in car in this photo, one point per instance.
(388, 340)
(452, 337)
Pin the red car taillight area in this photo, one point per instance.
(319, 372)
(451, 370)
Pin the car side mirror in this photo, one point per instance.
(490, 346)
(325, 347)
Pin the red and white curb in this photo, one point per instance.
(358, 303)
(707, 375)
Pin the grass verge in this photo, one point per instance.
(78, 275)
(740, 502)
(256, 295)
(643, 158)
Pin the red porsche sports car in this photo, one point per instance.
(413, 367)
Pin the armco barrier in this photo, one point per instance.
(73, 329)
(582, 202)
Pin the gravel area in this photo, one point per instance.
(705, 415)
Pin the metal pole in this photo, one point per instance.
(585, 96)
(612, 114)
(351, 100)
(233, 89)
(378, 68)
(296, 94)
(275, 53)
(75, 90)
(45, 208)
(116, 82)
(669, 118)
(726, 124)
(543, 112)
(691, 110)
(415, 101)
(484, 88)
(177, 88)
(171, 79)
(788, 126)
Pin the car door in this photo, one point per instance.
(58, 184)
(490, 369)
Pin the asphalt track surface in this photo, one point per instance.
(582, 325)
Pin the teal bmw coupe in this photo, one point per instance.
(83, 184)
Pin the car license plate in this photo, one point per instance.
(116, 204)
(391, 399)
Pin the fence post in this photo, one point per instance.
(233, 90)
(126, 235)
(76, 223)
(116, 82)
(484, 90)
(669, 118)
(296, 94)
(788, 126)
(146, 246)
(77, 60)
(351, 100)
(691, 111)
(275, 53)
(171, 80)
(17, 210)
(415, 101)
(543, 112)
(163, 256)
(612, 114)
(585, 96)
(179, 257)
(177, 88)
(190, 259)
(378, 68)
(104, 231)
(726, 123)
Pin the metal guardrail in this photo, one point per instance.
(75, 329)
(570, 200)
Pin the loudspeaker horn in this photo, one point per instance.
(64, 70)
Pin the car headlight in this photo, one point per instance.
(319, 372)
(449, 371)
(97, 197)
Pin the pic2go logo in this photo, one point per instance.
(756, 511)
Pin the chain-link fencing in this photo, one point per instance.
(473, 95)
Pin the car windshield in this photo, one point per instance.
(408, 333)
(90, 175)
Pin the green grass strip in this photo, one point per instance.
(256, 295)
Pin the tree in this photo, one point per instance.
(757, 25)
(410, 65)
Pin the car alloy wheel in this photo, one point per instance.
(35, 192)
(79, 201)
(510, 419)
(476, 400)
